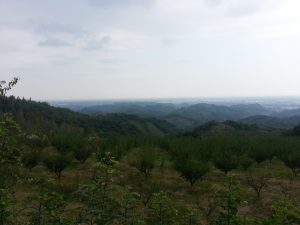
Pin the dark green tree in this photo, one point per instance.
(9, 157)
(55, 161)
(245, 162)
(192, 169)
(30, 159)
(296, 130)
(142, 159)
(82, 154)
(225, 161)
(291, 159)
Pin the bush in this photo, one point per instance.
(227, 204)
(46, 207)
(161, 210)
(284, 212)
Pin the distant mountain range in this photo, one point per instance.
(189, 116)
(287, 113)
(38, 116)
(148, 118)
(213, 128)
(272, 122)
(195, 115)
(145, 109)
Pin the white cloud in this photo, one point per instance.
(54, 42)
(136, 45)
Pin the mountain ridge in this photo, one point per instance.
(41, 116)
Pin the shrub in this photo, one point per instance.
(46, 207)
(98, 206)
(227, 202)
(161, 210)
(284, 212)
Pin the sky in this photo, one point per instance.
(118, 49)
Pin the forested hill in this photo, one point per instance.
(198, 114)
(39, 116)
(272, 122)
(189, 116)
(213, 128)
(184, 116)
(144, 109)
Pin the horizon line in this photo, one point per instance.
(172, 98)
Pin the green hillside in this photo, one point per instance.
(38, 116)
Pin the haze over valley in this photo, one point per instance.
(186, 114)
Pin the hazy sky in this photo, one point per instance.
(82, 49)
